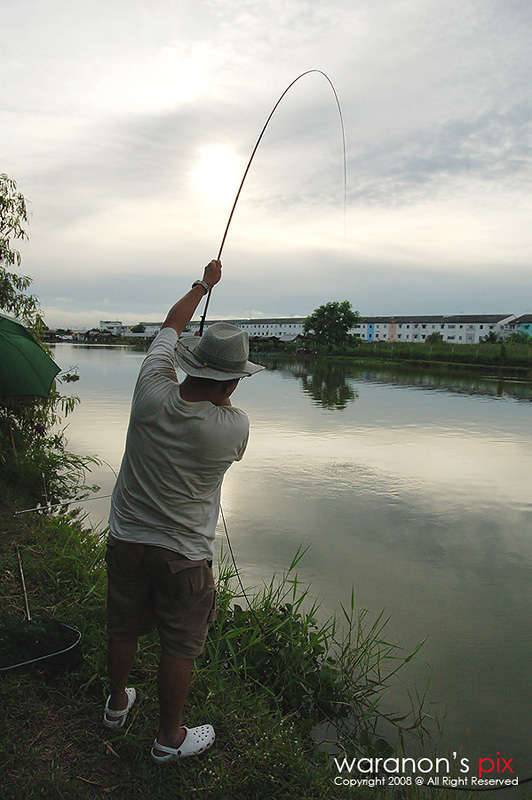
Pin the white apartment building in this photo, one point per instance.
(456, 329)
(119, 329)
(286, 329)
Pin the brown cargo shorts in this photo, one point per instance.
(152, 587)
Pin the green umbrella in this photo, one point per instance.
(25, 367)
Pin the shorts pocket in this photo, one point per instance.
(179, 564)
(214, 610)
(195, 575)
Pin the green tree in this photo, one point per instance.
(519, 337)
(434, 338)
(14, 299)
(140, 328)
(330, 324)
(490, 338)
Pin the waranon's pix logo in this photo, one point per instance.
(485, 772)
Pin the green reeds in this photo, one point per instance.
(333, 672)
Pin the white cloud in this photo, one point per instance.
(107, 110)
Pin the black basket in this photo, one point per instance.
(41, 641)
(65, 654)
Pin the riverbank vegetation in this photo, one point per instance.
(503, 358)
(268, 676)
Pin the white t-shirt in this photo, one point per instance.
(177, 452)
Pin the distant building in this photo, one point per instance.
(112, 325)
(117, 328)
(286, 329)
(522, 324)
(150, 329)
(457, 329)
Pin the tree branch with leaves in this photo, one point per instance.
(14, 298)
(330, 324)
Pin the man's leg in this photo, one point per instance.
(173, 682)
(120, 659)
(184, 595)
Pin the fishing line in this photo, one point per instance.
(257, 143)
(202, 323)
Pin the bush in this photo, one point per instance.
(34, 462)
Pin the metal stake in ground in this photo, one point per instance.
(23, 582)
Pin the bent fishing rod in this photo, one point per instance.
(252, 156)
(224, 237)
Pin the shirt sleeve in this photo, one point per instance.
(240, 424)
(161, 358)
(157, 375)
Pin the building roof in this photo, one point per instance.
(440, 319)
(477, 318)
(273, 321)
(257, 321)
(434, 319)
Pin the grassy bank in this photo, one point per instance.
(248, 684)
(502, 358)
(512, 360)
(53, 744)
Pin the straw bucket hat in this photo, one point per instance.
(221, 354)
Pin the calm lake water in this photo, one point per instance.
(413, 489)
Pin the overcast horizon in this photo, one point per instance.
(128, 127)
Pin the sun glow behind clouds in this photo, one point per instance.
(217, 173)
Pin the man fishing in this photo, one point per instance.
(181, 440)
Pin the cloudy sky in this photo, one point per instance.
(128, 124)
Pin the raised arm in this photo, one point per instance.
(182, 312)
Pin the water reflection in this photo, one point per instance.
(325, 382)
(327, 386)
(474, 385)
(328, 382)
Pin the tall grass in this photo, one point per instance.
(504, 354)
(334, 672)
(269, 675)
